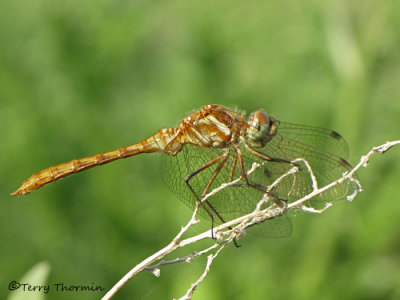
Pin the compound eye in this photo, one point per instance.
(258, 129)
(259, 119)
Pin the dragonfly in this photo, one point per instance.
(216, 145)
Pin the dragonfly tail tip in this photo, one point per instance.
(18, 192)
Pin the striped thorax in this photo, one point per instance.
(212, 126)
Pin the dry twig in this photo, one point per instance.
(227, 232)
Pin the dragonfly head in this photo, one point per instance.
(261, 129)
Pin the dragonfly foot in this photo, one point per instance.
(236, 243)
(282, 203)
(297, 166)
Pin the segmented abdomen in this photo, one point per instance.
(155, 143)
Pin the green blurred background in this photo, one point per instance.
(82, 77)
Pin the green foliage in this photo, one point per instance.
(82, 77)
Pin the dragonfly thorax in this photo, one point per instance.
(261, 129)
(212, 126)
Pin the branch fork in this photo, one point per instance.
(235, 229)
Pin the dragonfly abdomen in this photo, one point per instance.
(155, 143)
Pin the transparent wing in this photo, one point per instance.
(326, 152)
(231, 202)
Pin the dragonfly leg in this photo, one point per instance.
(278, 201)
(239, 158)
(212, 162)
(268, 158)
(216, 172)
(214, 175)
(232, 171)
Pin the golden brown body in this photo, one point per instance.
(215, 145)
(194, 129)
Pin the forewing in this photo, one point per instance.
(324, 150)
